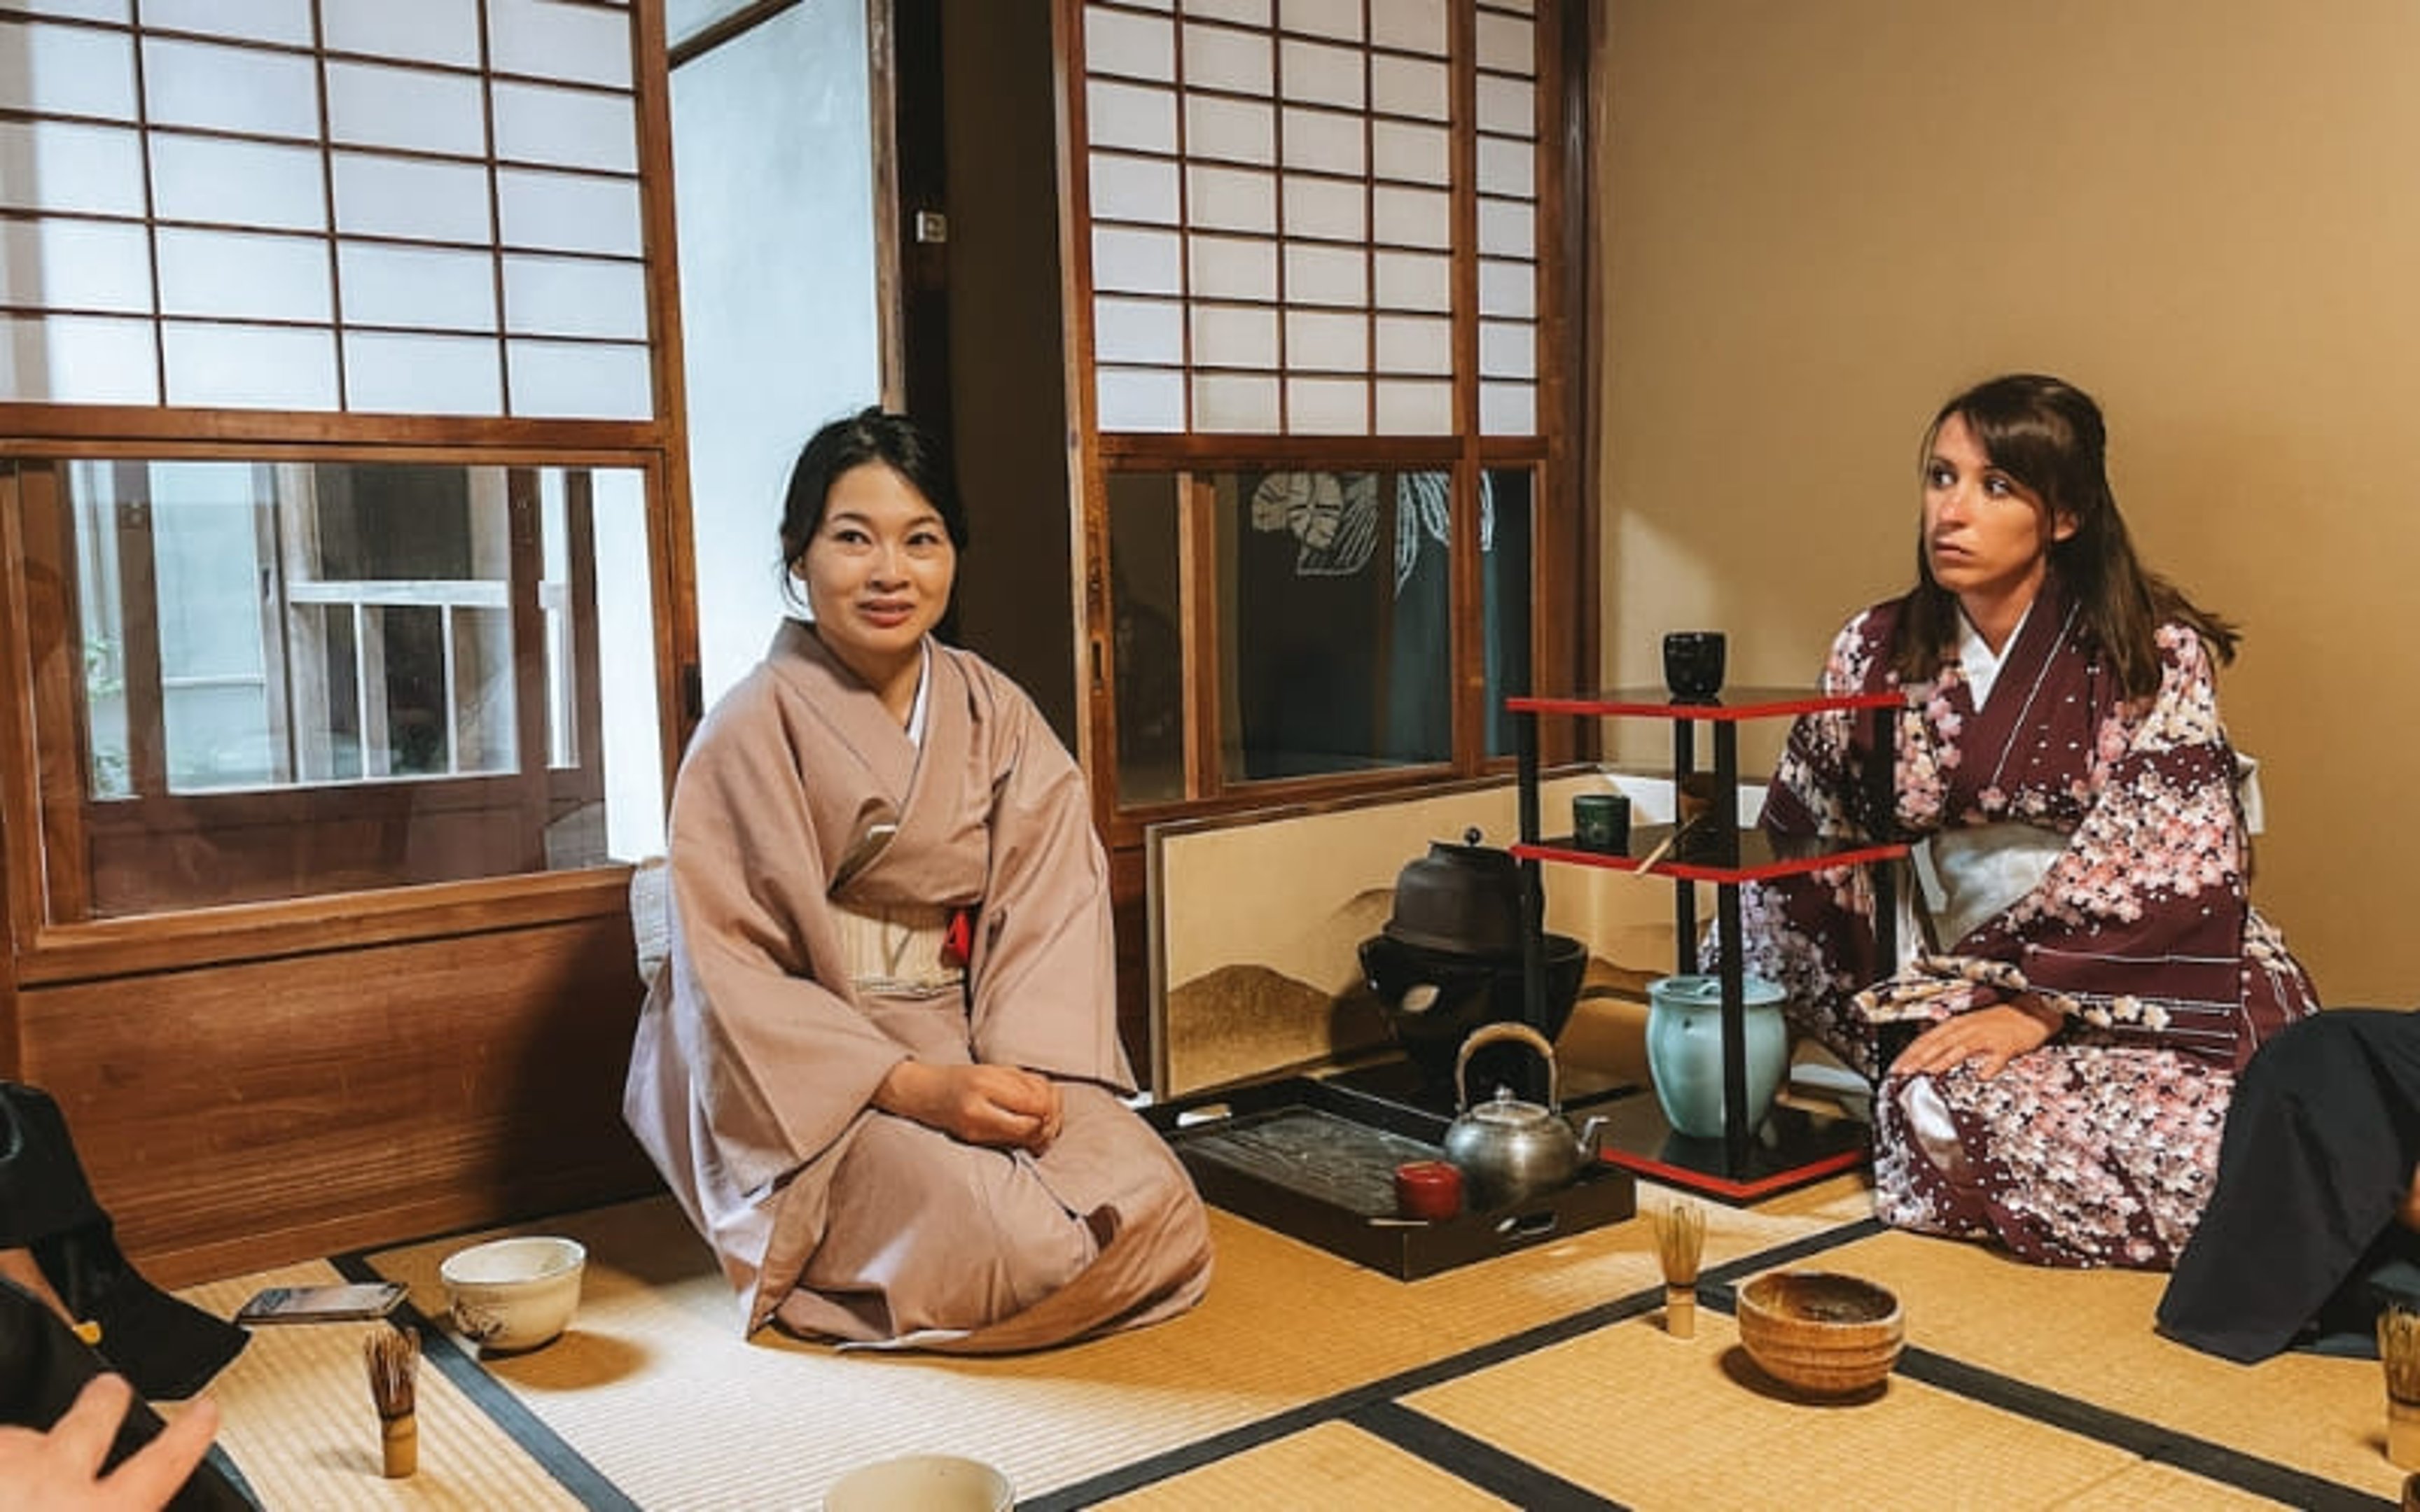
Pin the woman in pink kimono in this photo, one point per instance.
(2084, 975)
(879, 1067)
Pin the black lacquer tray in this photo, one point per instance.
(1316, 1161)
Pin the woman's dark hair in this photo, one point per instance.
(871, 434)
(2048, 435)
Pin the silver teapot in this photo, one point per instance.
(1509, 1151)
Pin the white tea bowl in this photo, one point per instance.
(514, 1293)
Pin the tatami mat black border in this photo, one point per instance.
(569, 1468)
(1476, 1460)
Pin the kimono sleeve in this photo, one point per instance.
(1045, 987)
(778, 1062)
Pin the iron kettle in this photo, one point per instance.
(1509, 1151)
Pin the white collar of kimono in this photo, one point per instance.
(923, 686)
(1976, 657)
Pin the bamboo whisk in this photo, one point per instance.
(1680, 1238)
(394, 1355)
(2398, 1350)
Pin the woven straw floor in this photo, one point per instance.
(1540, 1378)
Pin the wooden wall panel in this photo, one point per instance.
(241, 1116)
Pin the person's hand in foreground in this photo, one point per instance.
(1990, 1037)
(58, 1470)
(1001, 1106)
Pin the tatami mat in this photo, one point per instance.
(2087, 1334)
(296, 1418)
(1653, 1421)
(1332, 1465)
(1541, 1378)
(656, 1342)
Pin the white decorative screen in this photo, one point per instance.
(1275, 229)
(368, 205)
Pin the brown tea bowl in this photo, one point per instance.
(1819, 1333)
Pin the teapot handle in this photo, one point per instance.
(1487, 1034)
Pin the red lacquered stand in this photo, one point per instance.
(1792, 1148)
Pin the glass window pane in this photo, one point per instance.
(1508, 408)
(1234, 402)
(1408, 345)
(1138, 330)
(1323, 342)
(1217, 57)
(1234, 130)
(249, 367)
(353, 626)
(1133, 188)
(425, 287)
(1508, 349)
(425, 31)
(66, 70)
(375, 105)
(60, 165)
(1328, 407)
(406, 373)
(1138, 262)
(1506, 43)
(237, 183)
(243, 274)
(78, 360)
(1508, 287)
(548, 40)
(1411, 217)
(1326, 276)
(1410, 26)
(1408, 87)
(1507, 168)
(572, 127)
(1337, 585)
(1410, 408)
(230, 88)
(1336, 18)
(1505, 531)
(1138, 47)
(1326, 140)
(1233, 268)
(1140, 118)
(1243, 12)
(1147, 595)
(1231, 199)
(1334, 208)
(586, 380)
(89, 10)
(1226, 336)
(266, 20)
(1508, 107)
(1415, 154)
(75, 265)
(568, 212)
(1506, 228)
(383, 196)
(1317, 74)
(1139, 399)
(1413, 281)
(575, 297)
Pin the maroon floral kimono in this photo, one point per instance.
(2099, 1148)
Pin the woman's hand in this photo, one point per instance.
(1001, 1106)
(60, 1468)
(1990, 1037)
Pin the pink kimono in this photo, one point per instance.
(2131, 917)
(816, 852)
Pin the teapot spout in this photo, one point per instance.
(1592, 1137)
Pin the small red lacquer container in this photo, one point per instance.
(1427, 1188)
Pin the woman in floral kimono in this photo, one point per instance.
(880, 1067)
(2084, 974)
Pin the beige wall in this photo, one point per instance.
(1822, 219)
